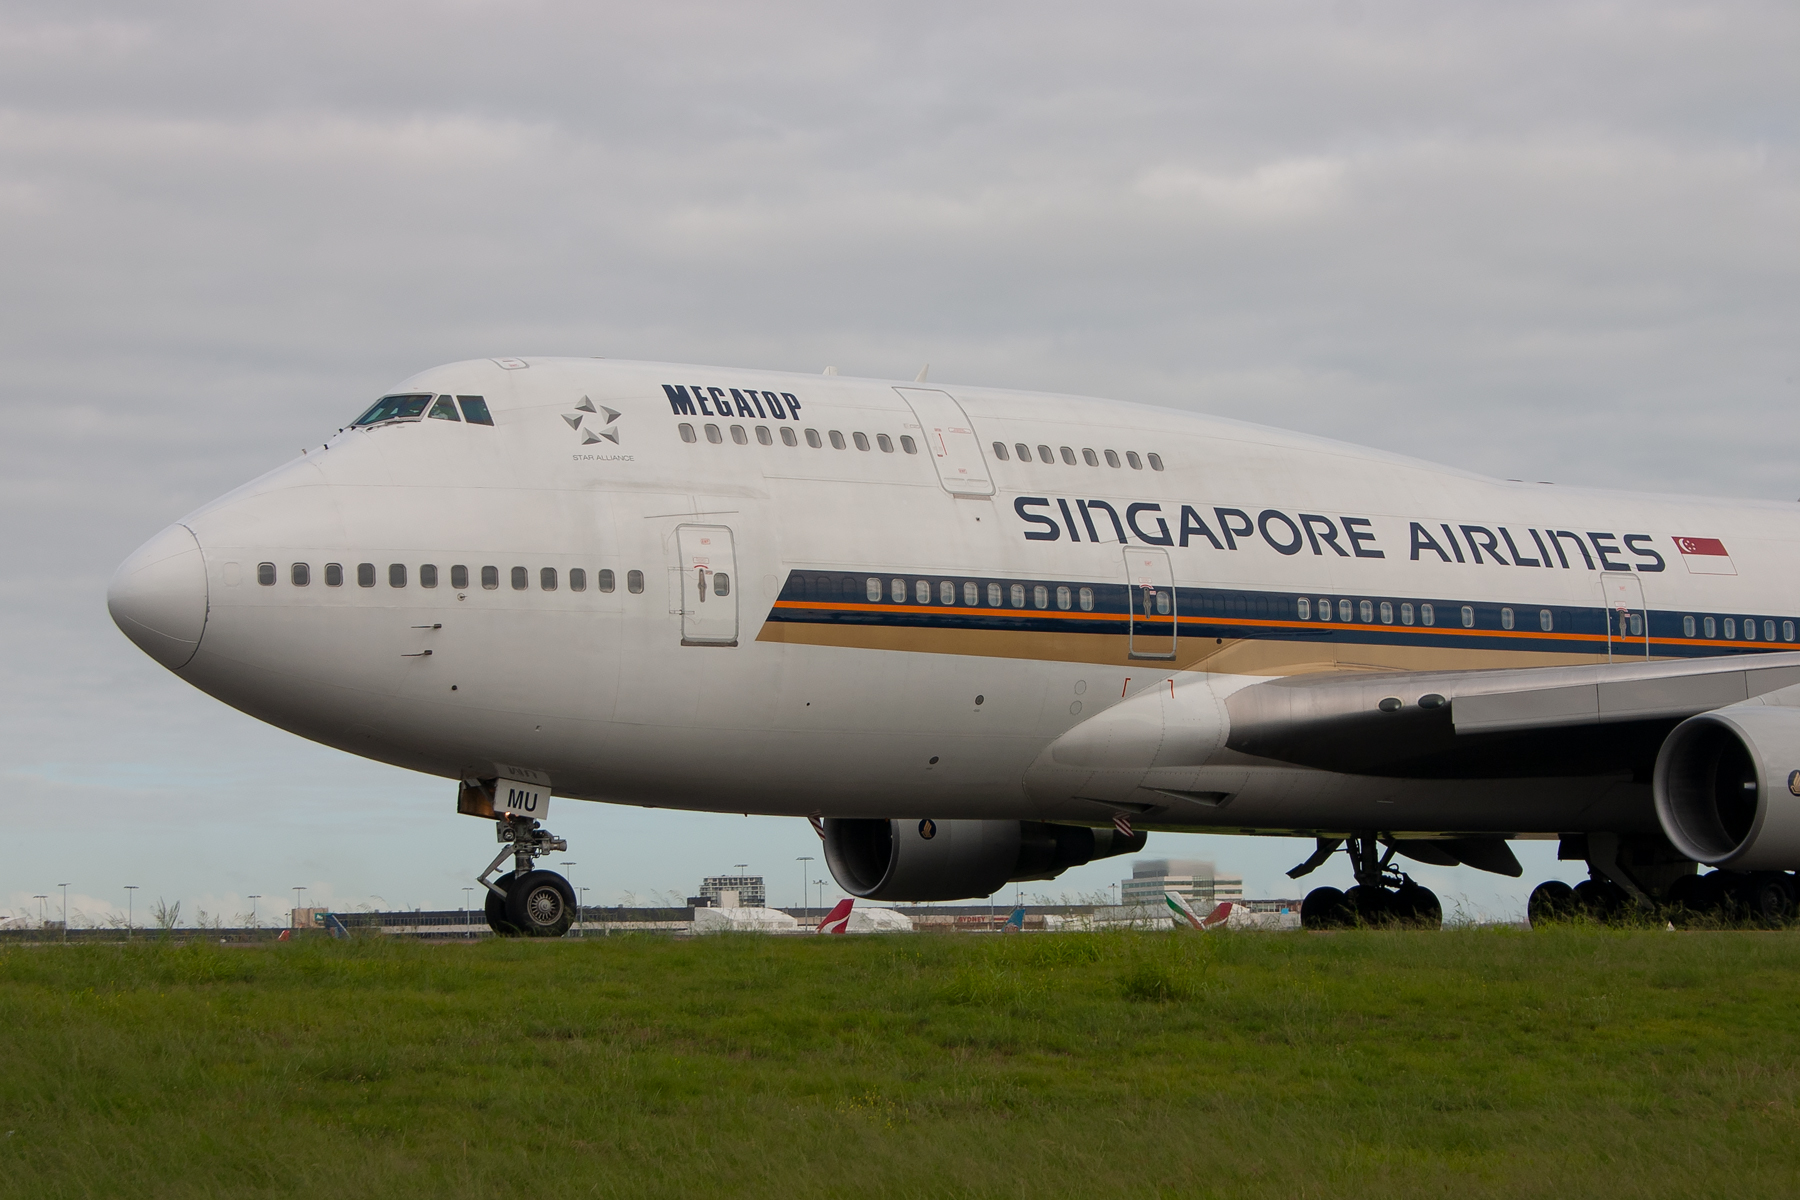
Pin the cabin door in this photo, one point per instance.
(949, 437)
(705, 584)
(1627, 618)
(1150, 592)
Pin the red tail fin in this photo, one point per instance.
(838, 918)
(1217, 916)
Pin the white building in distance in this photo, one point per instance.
(1190, 877)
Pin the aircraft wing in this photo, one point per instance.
(1503, 723)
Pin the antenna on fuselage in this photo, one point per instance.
(829, 371)
(920, 378)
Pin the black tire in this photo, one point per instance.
(1325, 908)
(1417, 906)
(1685, 900)
(1372, 905)
(1551, 901)
(496, 909)
(1600, 900)
(1768, 897)
(1711, 894)
(541, 904)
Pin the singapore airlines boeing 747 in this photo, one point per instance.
(982, 635)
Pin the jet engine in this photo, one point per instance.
(1727, 788)
(958, 860)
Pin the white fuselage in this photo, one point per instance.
(840, 669)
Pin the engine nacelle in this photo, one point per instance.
(958, 860)
(1727, 788)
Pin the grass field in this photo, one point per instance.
(1466, 1063)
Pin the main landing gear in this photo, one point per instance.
(527, 902)
(1383, 895)
(1640, 879)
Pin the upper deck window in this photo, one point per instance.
(409, 407)
(475, 410)
(444, 410)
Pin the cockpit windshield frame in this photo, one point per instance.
(404, 406)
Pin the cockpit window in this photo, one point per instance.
(395, 408)
(444, 410)
(475, 410)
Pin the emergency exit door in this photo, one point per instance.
(949, 438)
(1150, 592)
(1627, 617)
(705, 584)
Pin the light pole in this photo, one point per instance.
(466, 931)
(130, 903)
(821, 884)
(43, 913)
(65, 888)
(253, 900)
(805, 910)
(293, 920)
(565, 862)
(580, 903)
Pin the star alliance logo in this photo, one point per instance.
(590, 435)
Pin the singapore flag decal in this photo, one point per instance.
(1705, 556)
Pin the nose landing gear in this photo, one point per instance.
(527, 902)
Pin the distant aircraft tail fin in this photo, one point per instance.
(1016, 922)
(1184, 913)
(838, 919)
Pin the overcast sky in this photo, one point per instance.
(1554, 241)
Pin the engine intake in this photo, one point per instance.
(958, 860)
(1726, 788)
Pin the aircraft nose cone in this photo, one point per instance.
(158, 597)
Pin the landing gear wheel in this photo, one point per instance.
(1601, 901)
(1550, 902)
(1417, 905)
(541, 904)
(1325, 908)
(1687, 898)
(496, 909)
(1372, 905)
(1768, 896)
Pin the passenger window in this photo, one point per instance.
(444, 410)
(1304, 607)
(713, 435)
(763, 436)
(1163, 596)
(428, 575)
(1087, 599)
(1089, 457)
(547, 578)
(1768, 631)
(908, 445)
(1000, 451)
(365, 574)
(993, 590)
(459, 578)
(1506, 618)
(1040, 596)
(1324, 609)
(1387, 613)
(861, 440)
(1787, 631)
(1068, 456)
(1064, 598)
(1112, 458)
(739, 436)
(1155, 461)
(521, 579)
(1023, 450)
(265, 574)
(721, 584)
(490, 578)
(475, 410)
(1045, 454)
(885, 442)
(301, 574)
(971, 595)
(812, 439)
(1730, 627)
(788, 438)
(1018, 595)
(1687, 626)
(1637, 626)
(577, 579)
(1344, 613)
(1406, 614)
(1749, 629)
(837, 440)
(1427, 615)
(334, 574)
(1366, 611)
(605, 580)
(1547, 621)
(946, 593)
(897, 590)
(1711, 627)
(634, 582)
(687, 432)
(922, 591)
(872, 589)
(1133, 460)
(1468, 617)
(397, 575)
